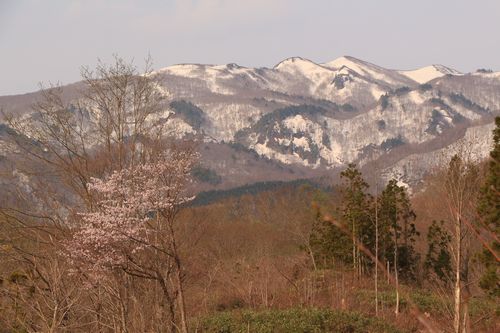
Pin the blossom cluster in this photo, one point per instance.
(127, 200)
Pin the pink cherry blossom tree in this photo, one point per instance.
(132, 226)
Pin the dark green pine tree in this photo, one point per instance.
(356, 205)
(330, 244)
(397, 230)
(489, 210)
(438, 258)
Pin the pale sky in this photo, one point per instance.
(48, 40)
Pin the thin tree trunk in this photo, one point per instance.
(168, 301)
(396, 279)
(178, 280)
(124, 304)
(466, 321)
(388, 272)
(182, 305)
(466, 293)
(311, 255)
(360, 261)
(458, 235)
(396, 311)
(354, 265)
(376, 255)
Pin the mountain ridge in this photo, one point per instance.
(309, 117)
(333, 64)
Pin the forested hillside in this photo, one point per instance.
(101, 229)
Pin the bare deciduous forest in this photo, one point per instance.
(107, 238)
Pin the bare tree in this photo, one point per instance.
(112, 125)
(460, 190)
(101, 131)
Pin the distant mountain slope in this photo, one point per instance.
(428, 73)
(302, 119)
(383, 76)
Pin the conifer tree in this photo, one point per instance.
(397, 229)
(356, 213)
(489, 210)
(438, 257)
(397, 233)
(329, 243)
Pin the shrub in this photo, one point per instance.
(381, 124)
(294, 321)
(384, 101)
(425, 87)
(348, 107)
(402, 90)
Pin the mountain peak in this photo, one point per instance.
(344, 61)
(368, 70)
(428, 73)
(295, 62)
(302, 66)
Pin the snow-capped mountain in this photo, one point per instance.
(428, 73)
(301, 118)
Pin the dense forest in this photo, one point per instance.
(109, 237)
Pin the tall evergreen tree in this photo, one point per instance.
(397, 230)
(438, 257)
(397, 233)
(489, 209)
(356, 214)
(329, 243)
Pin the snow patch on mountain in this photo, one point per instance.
(491, 75)
(476, 145)
(416, 97)
(377, 92)
(428, 73)
(301, 142)
(178, 128)
(227, 119)
(213, 76)
(297, 123)
(185, 70)
(349, 62)
(263, 150)
(300, 65)
(368, 70)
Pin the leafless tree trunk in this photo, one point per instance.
(396, 279)
(178, 279)
(461, 189)
(376, 252)
(457, 289)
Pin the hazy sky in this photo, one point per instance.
(48, 40)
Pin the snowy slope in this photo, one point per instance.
(475, 144)
(345, 80)
(312, 116)
(370, 71)
(309, 136)
(428, 73)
